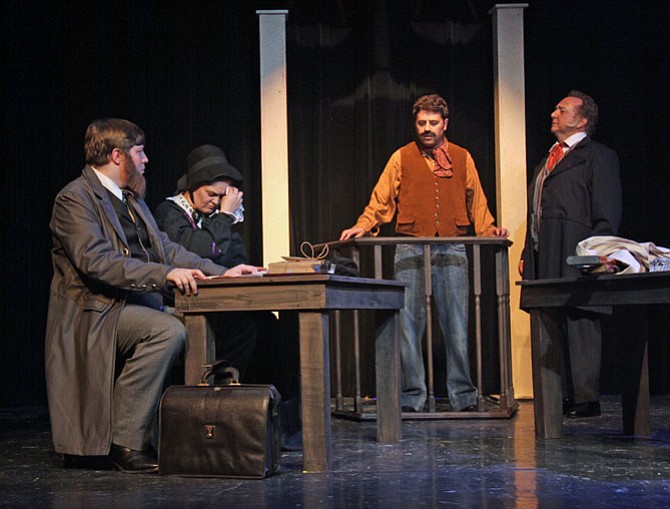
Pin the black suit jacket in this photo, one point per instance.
(581, 198)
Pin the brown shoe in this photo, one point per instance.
(131, 461)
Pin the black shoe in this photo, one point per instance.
(292, 443)
(131, 461)
(568, 403)
(582, 410)
(408, 409)
(86, 462)
(471, 408)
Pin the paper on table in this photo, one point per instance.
(260, 273)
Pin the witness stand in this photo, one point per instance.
(313, 297)
(502, 405)
(630, 293)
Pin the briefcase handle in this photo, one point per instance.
(210, 369)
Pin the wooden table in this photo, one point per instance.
(544, 297)
(313, 297)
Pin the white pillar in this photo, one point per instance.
(510, 137)
(274, 135)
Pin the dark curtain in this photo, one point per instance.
(355, 69)
(187, 73)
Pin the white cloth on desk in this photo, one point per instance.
(638, 256)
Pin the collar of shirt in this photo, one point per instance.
(193, 215)
(571, 141)
(109, 184)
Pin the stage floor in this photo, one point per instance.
(451, 463)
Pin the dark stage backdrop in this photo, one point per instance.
(188, 74)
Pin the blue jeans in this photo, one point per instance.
(449, 272)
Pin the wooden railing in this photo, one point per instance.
(504, 404)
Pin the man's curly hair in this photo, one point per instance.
(431, 102)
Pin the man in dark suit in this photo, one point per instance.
(575, 194)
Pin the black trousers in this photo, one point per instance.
(582, 340)
(262, 348)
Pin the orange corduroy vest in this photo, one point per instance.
(430, 206)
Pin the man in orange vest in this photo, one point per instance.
(432, 188)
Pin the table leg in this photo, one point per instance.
(546, 350)
(387, 372)
(635, 389)
(315, 390)
(200, 348)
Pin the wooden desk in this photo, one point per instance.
(543, 298)
(313, 297)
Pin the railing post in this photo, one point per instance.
(504, 334)
(477, 290)
(428, 284)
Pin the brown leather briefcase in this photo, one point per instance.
(220, 431)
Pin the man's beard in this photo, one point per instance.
(136, 181)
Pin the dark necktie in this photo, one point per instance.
(127, 195)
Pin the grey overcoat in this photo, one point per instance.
(92, 273)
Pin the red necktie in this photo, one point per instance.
(555, 155)
(442, 165)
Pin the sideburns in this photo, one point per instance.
(136, 181)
